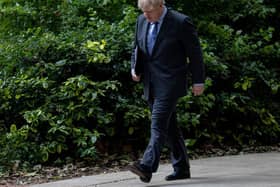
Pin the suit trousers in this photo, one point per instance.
(164, 130)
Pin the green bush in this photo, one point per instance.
(66, 90)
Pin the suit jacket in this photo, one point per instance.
(164, 72)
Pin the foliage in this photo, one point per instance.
(66, 91)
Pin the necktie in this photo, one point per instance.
(152, 36)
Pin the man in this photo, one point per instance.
(164, 40)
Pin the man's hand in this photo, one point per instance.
(198, 89)
(134, 76)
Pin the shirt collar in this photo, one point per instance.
(162, 15)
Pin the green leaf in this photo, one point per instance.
(13, 128)
(130, 130)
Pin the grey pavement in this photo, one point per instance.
(248, 170)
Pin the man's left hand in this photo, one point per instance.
(197, 89)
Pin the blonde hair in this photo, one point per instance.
(149, 4)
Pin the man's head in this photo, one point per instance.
(152, 9)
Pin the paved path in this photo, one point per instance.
(250, 170)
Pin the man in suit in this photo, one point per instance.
(164, 40)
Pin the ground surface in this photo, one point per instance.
(42, 174)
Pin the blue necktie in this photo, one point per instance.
(152, 35)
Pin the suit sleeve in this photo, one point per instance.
(134, 49)
(136, 55)
(193, 50)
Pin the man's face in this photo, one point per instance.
(153, 14)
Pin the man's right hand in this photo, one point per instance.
(135, 77)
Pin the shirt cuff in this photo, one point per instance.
(198, 84)
(132, 71)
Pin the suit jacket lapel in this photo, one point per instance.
(145, 30)
(160, 35)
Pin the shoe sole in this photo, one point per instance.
(136, 171)
(179, 178)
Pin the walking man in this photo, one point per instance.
(166, 48)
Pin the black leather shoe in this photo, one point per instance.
(138, 170)
(178, 175)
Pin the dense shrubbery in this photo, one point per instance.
(66, 91)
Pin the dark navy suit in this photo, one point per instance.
(164, 74)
